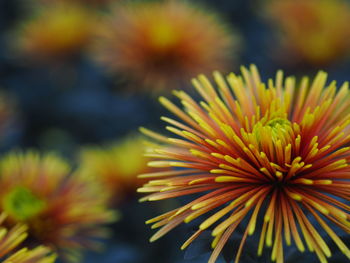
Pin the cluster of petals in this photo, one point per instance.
(11, 250)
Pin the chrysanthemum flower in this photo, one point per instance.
(63, 211)
(57, 30)
(161, 44)
(116, 166)
(10, 250)
(267, 157)
(315, 31)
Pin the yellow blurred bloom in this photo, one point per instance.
(63, 210)
(116, 166)
(56, 30)
(11, 250)
(316, 31)
(162, 44)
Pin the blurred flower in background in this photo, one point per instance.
(160, 45)
(11, 250)
(313, 31)
(116, 166)
(62, 210)
(55, 31)
(279, 151)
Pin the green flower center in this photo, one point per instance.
(22, 204)
(276, 129)
(278, 125)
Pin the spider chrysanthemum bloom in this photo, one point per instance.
(55, 31)
(11, 250)
(62, 210)
(161, 44)
(315, 31)
(116, 166)
(267, 157)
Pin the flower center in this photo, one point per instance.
(162, 35)
(275, 129)
(22, 204)
(279, 127)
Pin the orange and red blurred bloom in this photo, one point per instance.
(62, 210)
(162, 44)
(265, 156)
(56, 31)
(313, 31)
